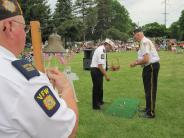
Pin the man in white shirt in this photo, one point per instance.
(98, 70)
(29, 105)
(148, 58)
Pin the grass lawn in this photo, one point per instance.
(127, 83)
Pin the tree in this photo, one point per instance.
(104, 18)
(37, 10)
(91, 21)
(115, 34)
(70, 29)
(175, 30)
(112, 17)
(155, 30)
(85, 11)
(120, 17)
(62, 12)
(64, 21)
(181, 25)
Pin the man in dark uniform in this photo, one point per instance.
(148, 58)
(98, 70)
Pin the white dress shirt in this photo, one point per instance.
(99, 57)
(147, 47)
(20, 114)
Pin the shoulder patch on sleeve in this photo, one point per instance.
(102, 56)
(26, 68)
(47, 101)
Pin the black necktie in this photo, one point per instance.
(106, 63)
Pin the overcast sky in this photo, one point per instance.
(148, 11)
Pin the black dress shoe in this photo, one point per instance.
(145, 115)
(101, 103)
(96, 107)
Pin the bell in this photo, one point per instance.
(55, 45)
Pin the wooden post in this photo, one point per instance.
(37, 45)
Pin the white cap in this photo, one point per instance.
(109, 42)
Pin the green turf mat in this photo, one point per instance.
(123, 107)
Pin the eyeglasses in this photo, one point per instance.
(26, 27)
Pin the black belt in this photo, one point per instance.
(149, 64)
(94, 68)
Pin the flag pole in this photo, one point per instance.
(37, 45)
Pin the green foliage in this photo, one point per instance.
(115, 34)
(104, 18)
(70, 29)
(91, 21)
(62, 12)
(155, 30)
(94, 19)
(175, 30)
(120, 18)
(64, 22)
(111, 14)
(85, 20)
(85, 11)
(83, 7)
(37, 10)
(181, 23)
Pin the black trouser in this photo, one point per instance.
(97, 93)
(150, 77)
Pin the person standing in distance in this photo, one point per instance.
(29, 105)
(98, 70)
(148, 58)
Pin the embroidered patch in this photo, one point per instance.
(47, 101)
(26, 68)
(9, 6)
(102, 56)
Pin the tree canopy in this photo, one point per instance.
(154, 30)
(92, 19)
(38, 10)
